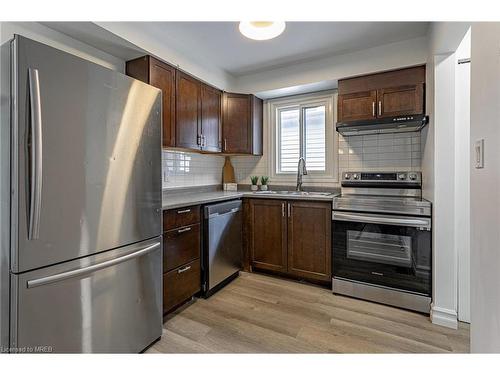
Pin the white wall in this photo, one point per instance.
(444, 301)
(438, 166)
(386, 57)
(462, 176)
(43, 34)
(443, 38)
(485, 189)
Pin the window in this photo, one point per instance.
(303, 127)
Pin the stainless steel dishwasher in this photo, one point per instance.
(222, 245)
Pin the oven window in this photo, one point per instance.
(379, 247)
(383, 254)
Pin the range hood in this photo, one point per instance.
(399, 124)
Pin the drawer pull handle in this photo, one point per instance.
(184, 211)
(184, 230)
(183, 269)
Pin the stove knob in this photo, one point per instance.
(347, 176)
(413, 176)
(355, 176)
(402, 176)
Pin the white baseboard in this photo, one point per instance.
(444, 317)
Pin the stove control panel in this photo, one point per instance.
(391, 178)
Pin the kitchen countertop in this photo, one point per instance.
(176, 200)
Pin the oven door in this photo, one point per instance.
(387, 250)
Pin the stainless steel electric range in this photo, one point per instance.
(382, 239)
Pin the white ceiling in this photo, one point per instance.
(222, 44)
(217, 53)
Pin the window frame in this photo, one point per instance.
(301, 102)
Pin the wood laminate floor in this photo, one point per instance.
(263, 314)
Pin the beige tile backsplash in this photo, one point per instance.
(379, 152)
(184, 169)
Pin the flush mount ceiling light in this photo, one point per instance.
(262, 30)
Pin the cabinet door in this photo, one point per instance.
(181, 284)
(187, 111)
(401, 100)
(162, 76)
(180, 246)
(268, 234)
(257, 126)
(237, 137)
(357, 106)
(309, 240)
(211, 118)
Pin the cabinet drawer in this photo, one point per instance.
(180, 246)
(181, 284)
(181, 217)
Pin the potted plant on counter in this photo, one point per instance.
(254, 180)
(263, 181)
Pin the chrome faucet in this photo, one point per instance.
(301, 170)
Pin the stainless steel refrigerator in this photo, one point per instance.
(81, 251)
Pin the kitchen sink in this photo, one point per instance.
(294, 193)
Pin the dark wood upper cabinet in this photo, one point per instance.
(200, 117)
(309, 240)
(162, 76)
(211, 106)
(401, 100)
(389, 94)
(187, 111)
(357, 106)
(267, 234)
(256, 125)
(242, 124)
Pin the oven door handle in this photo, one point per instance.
(423, 223)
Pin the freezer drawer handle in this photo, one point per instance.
(36, 154)
(184, 269)
(96, 267)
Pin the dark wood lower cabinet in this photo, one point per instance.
(309, 240)
(180, 217)
(181, 256)
(180, 284)
(268, 234)
(180, 246)
(290, 237)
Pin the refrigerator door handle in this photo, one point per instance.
(86, 270)
(36, 154)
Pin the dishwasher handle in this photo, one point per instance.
(216, 214)
(222, 208)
